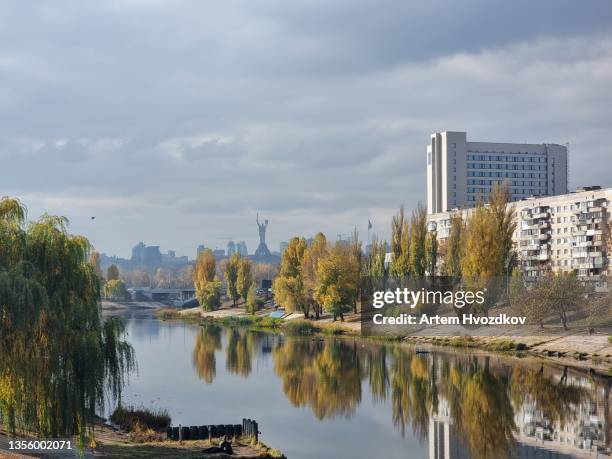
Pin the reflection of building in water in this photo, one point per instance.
(584, 433)
(444, 441)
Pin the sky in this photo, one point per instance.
(175, 122)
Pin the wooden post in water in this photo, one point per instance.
(180, 438)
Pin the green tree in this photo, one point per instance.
(251, 299)
(451, 266)
(112, 273)
(418, 235)
(115, 290)
(289, 284)
(431, 252)
(245, 277)
(400, 245)
(207, 286)
(58, 360)
(308, 271)
(338, 281)
(231, 277)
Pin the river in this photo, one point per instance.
(351, 398)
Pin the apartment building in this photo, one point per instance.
(569, 232)
(461, 172)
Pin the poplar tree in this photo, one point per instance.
(207, 286)
(245, 277)
(418, 234)
(231, 277)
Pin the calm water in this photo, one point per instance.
(344, 398)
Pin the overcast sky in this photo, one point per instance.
(174, 122)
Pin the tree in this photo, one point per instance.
(231, 277)
(251, 299)
(207, 286)
(163, 278)
(400, 245)
(338, 281)
(138, 278)
(451, 266)
(503, 216)
(115, 290)
(418, 234)
(565, 294)
(94, 259)
(210, 295)
(112, 273)
(60, 361)
(289, 284)
(308, 271)
(431, 252)
(376, 261)
(245, 277)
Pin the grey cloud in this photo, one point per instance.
(177, 122)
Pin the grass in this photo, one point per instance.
(167, 314)
(505, 345)
(132, 419)
(261, 322)
(610, 339)
(300, 327)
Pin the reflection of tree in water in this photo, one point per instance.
(378, 372)
(486, 417)
(207, 342)
(557, 400)
(323, 375)
(411, 394)
(239, 350)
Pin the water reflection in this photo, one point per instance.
(207, 342)
(462, 405)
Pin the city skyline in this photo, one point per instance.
(178, 129)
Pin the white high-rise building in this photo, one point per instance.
(460, 172)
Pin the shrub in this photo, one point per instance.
(140, 419)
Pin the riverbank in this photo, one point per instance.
(111, 443)
(585, 352)
(116, 444)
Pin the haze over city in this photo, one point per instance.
(174, 124)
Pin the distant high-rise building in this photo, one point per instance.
(146, 255)
(231, 248)
(241, 247)
(459, 173)
(200, 248)
(219, 253)
(283, 246)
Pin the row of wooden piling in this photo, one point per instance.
(248, 428)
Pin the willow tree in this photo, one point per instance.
(57, 358)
